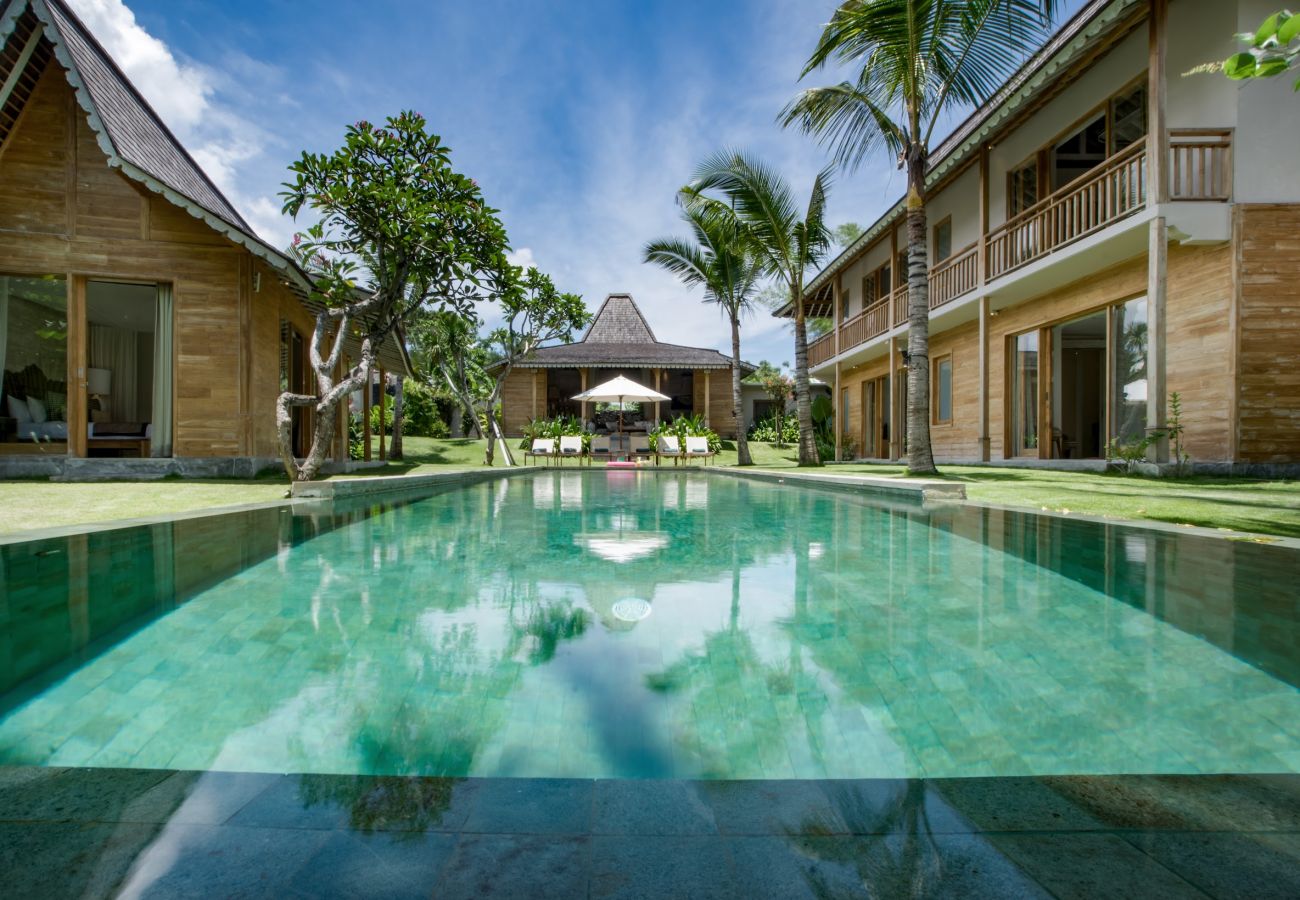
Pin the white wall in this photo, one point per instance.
(851, 278)
(961, 200)
(1266, 146)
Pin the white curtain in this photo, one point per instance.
(115, 349)
(161, 444)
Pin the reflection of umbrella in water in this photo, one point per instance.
(621, 548)
(621, 390)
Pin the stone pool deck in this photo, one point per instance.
(152, 833)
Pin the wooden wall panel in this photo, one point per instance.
(1268, 333)
(720, 418)
(35, 161)
(959, 439)
(517, 401)
(64, 210)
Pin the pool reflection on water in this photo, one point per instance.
(781, 633)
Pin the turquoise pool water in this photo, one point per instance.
(629, 624)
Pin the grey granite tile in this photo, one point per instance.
(651, 808)
(392, 865)
(1187, 802)
(82, 795)
(536, 867)
(67, 859)
(773, 807)
(1257, 866)
(531, 806)
(200, 798)
(887, 865)
(1005, 804)
(625, 867)
(221, 861)
(1092, 865)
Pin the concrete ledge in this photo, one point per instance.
(915, 488)
(338, 488)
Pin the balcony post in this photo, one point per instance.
(836, 301)
(839, 408)
(895, 444)
(982, 262)
(1157, 124)
(984, 380)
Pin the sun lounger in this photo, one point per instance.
(571, 447)
(698, 448)
(600, 448)
(669, 447)
(543, 448)
(639, 448)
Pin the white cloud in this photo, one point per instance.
(522, 257)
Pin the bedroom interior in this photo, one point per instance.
(128, 378)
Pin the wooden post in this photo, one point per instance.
(1158, 247)
(78, 406)
(981, 264)
(895, 443)
(365, 418)
(383, 411)
(583, 373)
(839, 394)
(708, 422)
(532, 408)
(836, 303)
(985, 443)
(658, 373)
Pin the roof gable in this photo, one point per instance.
(619, 321)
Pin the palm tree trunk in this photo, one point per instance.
(920, 458)
(737, 405)
(802, 400)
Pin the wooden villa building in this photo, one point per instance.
(140, 315)
(620, 342)
(1104, 232)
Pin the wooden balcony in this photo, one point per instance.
(1115, 189)
(822, 349)
(1200, 168)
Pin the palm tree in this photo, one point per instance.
(788, 243)
(727, 269)
(921, 60)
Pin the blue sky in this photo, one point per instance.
(579, 119)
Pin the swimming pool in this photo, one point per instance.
(650, 624)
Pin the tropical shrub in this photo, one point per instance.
(387, 426)
(766, 430)
(683, 427)
(561, 426)
(420, 411)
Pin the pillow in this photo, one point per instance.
(18, 409)
(37, 409)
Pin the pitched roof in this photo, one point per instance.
(619, 321)
(620, 337)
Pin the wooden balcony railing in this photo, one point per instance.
(1200, 165)
(1200, 168)
(954, 276)
(821, 349)
(1111, 191)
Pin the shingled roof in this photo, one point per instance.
(620, 337)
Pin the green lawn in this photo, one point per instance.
(1264, 507)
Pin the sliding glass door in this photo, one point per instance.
(34, 363)
(1025, 399)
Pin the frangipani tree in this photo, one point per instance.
(397, 230)
(535, 313)
(787, 238)
(921, 61)
(719, 261)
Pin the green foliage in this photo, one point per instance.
(420, 411)
(1271, 50)
(767, 430)
(1174, 429)
(779, 388)
(560, 426)
(683, 427)
(845, 234)
(356, 437)
(1131, 453)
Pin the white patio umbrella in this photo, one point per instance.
(621, 390)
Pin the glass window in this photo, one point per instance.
(1079, 153)
(886, 280)
(943, 240)
(1129, 342)
(1024, 394)
(1022, 190)
(844, 411)
(1128, 118)
(943, 390)
(869, 295)
(34, 363)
